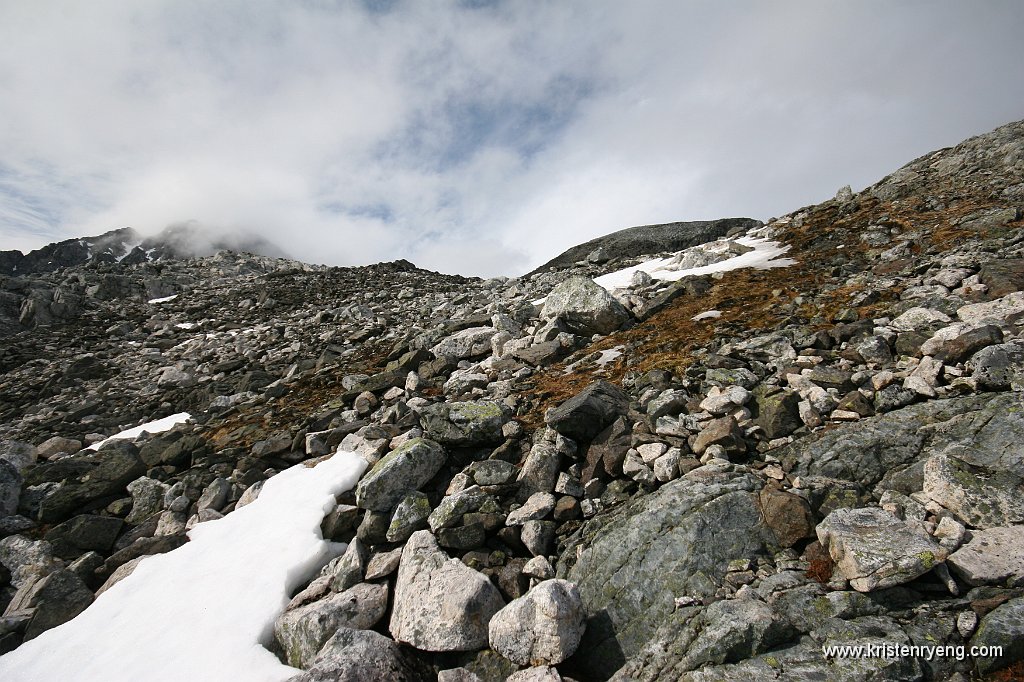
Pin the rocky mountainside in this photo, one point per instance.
(709, 472)
(125, 245)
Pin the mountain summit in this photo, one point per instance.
(127, 246)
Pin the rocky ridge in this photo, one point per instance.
(709, 479)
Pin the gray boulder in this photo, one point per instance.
(464, 424)
(978, 496)
(585, 307)
(586, 414)
(362, 656)
(410, 516)
(694, 527)
(543, 627)
(51, 601)
(10, 488)
(404, 469)
(993, 556)
(873, 549)
(302, 632)
(87, 479)
(349, 568)
(84, 533)
(440, 604)
(999, 367)
(1003, 627)
(727, 630)
(466, 343)
(982, 430)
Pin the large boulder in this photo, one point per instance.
(441, 604)
(982, 430)
(102, 476)
(1003, 628)
(727, 630)
(585, 307)
(84, 533)
(464, 424)
(362, 656)
(993, 556)
(873, 549)
(543, 627)
(50, 601)
(302, 632)
(691, 529)
(587, 413)
(977, 495)
(401, 471)
(466, 343)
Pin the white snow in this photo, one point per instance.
(762, 257)
(201, 612)
(707, 315)
(608, 356)
(185, 325)
(156, 426)
(165, 299)
(766, 254)
(128, 248)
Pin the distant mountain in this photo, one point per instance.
(126, 245)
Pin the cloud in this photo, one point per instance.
(474, 137)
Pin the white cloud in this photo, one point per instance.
(478, 140)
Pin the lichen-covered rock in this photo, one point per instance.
(1004, 628)
(984, 430)
(302, 632)
(999, 367)
(362, 656)
(697, 528)
(466, 343)
(585, 307)
(349, 568)
(464, 424)
(993, 556)
(401, 471)
(725, 631)
(543, 627)
(873, 549)
(978, 496)
(440, 604)
(410, 516)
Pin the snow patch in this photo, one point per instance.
(203, 611)
(165, 299)
(186, 325)
(764, 254)
(156, 426)
(707, 315)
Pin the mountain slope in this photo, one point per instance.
(715, 478)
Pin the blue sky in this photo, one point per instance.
(475, 137)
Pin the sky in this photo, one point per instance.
(475, 137)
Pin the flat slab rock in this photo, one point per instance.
(993, 556)
(874, 549)
(979, 496)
